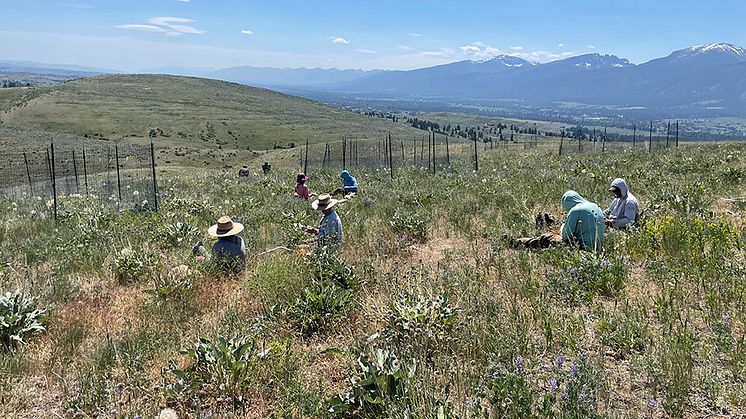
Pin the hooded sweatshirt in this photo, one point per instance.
(623, 210)
(349, 181)
(584, 223)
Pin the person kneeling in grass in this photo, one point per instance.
(229, 252)
(330, 228)
(301, 189)
(624, 208)
(349, 185)
(583, 227)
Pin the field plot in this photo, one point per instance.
(426, 312)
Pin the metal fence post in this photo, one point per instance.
(54, 181)
(85, 172)
(155, 183)
(75, 171)
(28, 174)
(119, 179)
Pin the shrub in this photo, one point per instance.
(318, 306)
(223, 367)
(625, 331)
(132, 266)
(19, 318)
(178, 233)
(409, 227)
(378, 377)
(420, 322)
(586, 275)
(325, 265)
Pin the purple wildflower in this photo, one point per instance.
(564, 396)
(603, 264)
(519, 363)
(553, 383)
(652, 404)
(571, 270)
(560, 360)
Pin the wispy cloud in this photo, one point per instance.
(366, 51)
(339, 40)
(247, 32)
(480, 50)
(591, 47)
(560, 45)
(405, 47)
(184, 1)
(414, 34)
(517, 48)
(171, 26)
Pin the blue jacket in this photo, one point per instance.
(349, 181)
(330, 230)
(584, 223)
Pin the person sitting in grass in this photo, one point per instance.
(330, 228)
(624, 207)
(584, 227)
(349, 184)
(244, 171)
(301, 189)
(229, 252)
(266, 168)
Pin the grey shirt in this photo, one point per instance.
(230, 252)
(330, 230)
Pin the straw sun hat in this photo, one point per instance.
(225, 227)
(325, 201)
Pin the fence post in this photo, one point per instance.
(49, 166)
(677, 133)
(414, 151)
(155, 182)
(54, 182)
(579, 139)
(326, 150)
(391, 159)
(435, 154)
(603, 142)
(75, 171)
(344, 154)
(476, 154)
(634, 136)
(422, 151)
(650, 138)
(429, 150)
(119, 180)
(668, 133)
(402, 152)
(448, 152)
(562, 140)
(305, 162)
(28, 174)
(85, 172)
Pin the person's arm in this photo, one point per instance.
(628, 216)
(568, 228)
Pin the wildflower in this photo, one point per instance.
(519, 363)
(603, 264)
(553, 383)
(136, 193)
(564, 396)
(652, 404)
(571, 270)
(560, 360)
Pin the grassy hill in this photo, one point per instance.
(188, 111)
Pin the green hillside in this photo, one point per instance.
(188, 111)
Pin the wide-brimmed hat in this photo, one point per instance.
(325, 201)
(301, 178)
(225, 227)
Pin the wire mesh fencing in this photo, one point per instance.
(56, 179)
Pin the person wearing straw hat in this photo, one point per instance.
(330, 228)
(229, 251)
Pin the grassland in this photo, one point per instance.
(189, 112)
(425, 313)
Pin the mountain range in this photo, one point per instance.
(707, 78)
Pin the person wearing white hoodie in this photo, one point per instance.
(624, 207)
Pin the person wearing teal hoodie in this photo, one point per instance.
(584, 227)
(349, 183)
(584, 224)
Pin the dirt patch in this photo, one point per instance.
(435, 250)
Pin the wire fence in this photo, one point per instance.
(49, 181)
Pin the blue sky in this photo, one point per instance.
(137, 34)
